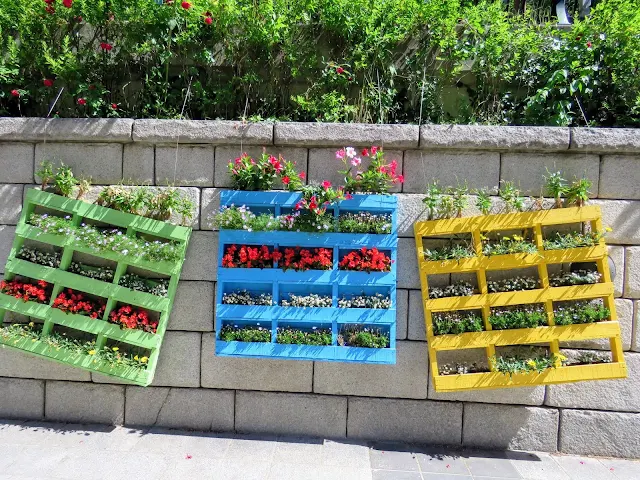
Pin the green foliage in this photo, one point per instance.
(364, 222)
(303, 337)
(483, 201)
(366, 337)
(61, 178)
(510, 195)
(508, 244)
(578, 192)
(526, 364)
(529, 316)
(386, 61)
(556, 187)
(234, 333)
(448, 202)
(560, 241)
(581, 312)
(456, 322)
(449, 252)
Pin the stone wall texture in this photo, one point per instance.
(194, 389)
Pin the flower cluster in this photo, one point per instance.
(296, 336)
(378, 176)
(526, 316)
(561, 241)
(98, 273)
(456, 322)
(241, 218)
(581, 312)
(377, 301)
(129, 317)
(28, 292)
(301, 259)
(109, 240)
(365, 337)
(366, 260)
(507, 245)
(235, 333)
(364, 222)
(311, 300)
(514, 284)
(579, 277)
(41, 258)
(311, 209)
(509, 365)
(244, 297)
(249, 174)
(70, 301)
(158, 287)
(458, 289)
(249, 257)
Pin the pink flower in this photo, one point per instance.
(340, 154)
(588, 44)
(67, 3)
(392, 167)
(400, 179)
(339, 70)
(348, 196)
(114, 106)
(15, 93)
(298, 205)
(186, 5)
(82, 101)
(106, 46)
(47, 82)
(351, 152)
(208, 20)
(326, 184)
(356, 161)
(302, 175)
(374, 150)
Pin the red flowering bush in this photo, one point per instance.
(249, 257)
(135, 318)
(301, 259)
(26, 291)
(70, 301)
(249, 174)
(365, 260)
(377, 178)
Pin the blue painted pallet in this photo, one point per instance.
(332, 282)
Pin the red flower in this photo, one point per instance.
(339, 70)
(326, 184)
(302, 175)
(15, 93)
(50, 10)
(208, 20)
(286, 180)
(588, 44)
(399, 179)
(348, 196)
(67, 3)
(49, 2)
(47, 82)
(277, 166)
(114, 106)
(365, 260)
(82, 101)
(186, 5)
(106, 46)
(365, 152)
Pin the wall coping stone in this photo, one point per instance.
(66, 129)
(216, 132)
(487, 137)
(606, 140)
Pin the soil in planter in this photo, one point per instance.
(584, 357)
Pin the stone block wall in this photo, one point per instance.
(194, 389)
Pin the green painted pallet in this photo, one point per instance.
(60, 278)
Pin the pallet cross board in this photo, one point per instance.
(334, 283)
(99, 329)
(489, 339)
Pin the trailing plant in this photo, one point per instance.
(580, 312)
(378, 177)
(456, 251)
(38, 292)
(510, 365)
(561, 241)
(507, 245)
(366, 260)
(579, 277)
(244, 297)
(70, 301)
(99, 273)
(458, 289)
(133, 318)
(359, 336)
(168, 201)
(364, 222)
(158, 287)
(235, 333)
(311, 300)
(456, 322)
(513, 284)
(376, 301)
(249, 257)
(33, 255)
(296, 336)
(529, 316)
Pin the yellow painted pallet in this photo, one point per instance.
(484, 301)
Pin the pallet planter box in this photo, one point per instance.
(99, 329)
(484, 301)
(332, 283)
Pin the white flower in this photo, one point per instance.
(351, 152)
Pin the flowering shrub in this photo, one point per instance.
(235, 333)
(458, 289)
(365, 301)
(366, 337)
(99, 273)
(581, 312)
(529, 316)
(135, 318)
(249, 257)
(560, 241)
(249, 174)
(526, 364)
(456, 322)
(295, 336)
(364, 222)
(301, 259)
(377, 178)
(158, 287)
(579, 277)
(28, 292)
(70, 301)
(366, 260)
(514, 284)
(311, 211)
(244, 297)
(311, 300)
(33, 255)
(241, 218)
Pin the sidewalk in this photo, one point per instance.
(37, 450)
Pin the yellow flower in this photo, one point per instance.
(33, 340)
(562, 358)
(115, 349)
(608, 229)
(483, 237)
(506, 238)
(144, 359)
(31, 324)
(531, 363)
(517, 238)
(136, 357)
(92, 352)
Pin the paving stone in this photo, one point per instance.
(632, 272)
(436, 460)
(623, 216)
(402, 307)
(537, 466)
(253, 374)
(14, 363)
(510, 427)
(66, 129)
(202, 257)
(581, 468)
(491, 465)
(345, 454)
(605, 140)
(622, 469)
(611, 434)
(393, 457)
(100, 161)
(485, 137)
(216, 132)
(407, 268)
(479, 169)
(616, 254)
(194, 165)
(291, 414)
(527, 170)
(197, 409)
(20, 398)
(193, 307)
(179, 362)
(227, 153)
(323, 165)
(519, 396)
(395, 475)
(10, 204)
(345, 134)
(618, 395)
(84, 403)
(406, 379)
(299, 450)
(16, 161)
(138, 163)
(210, 206)
(405, 420)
